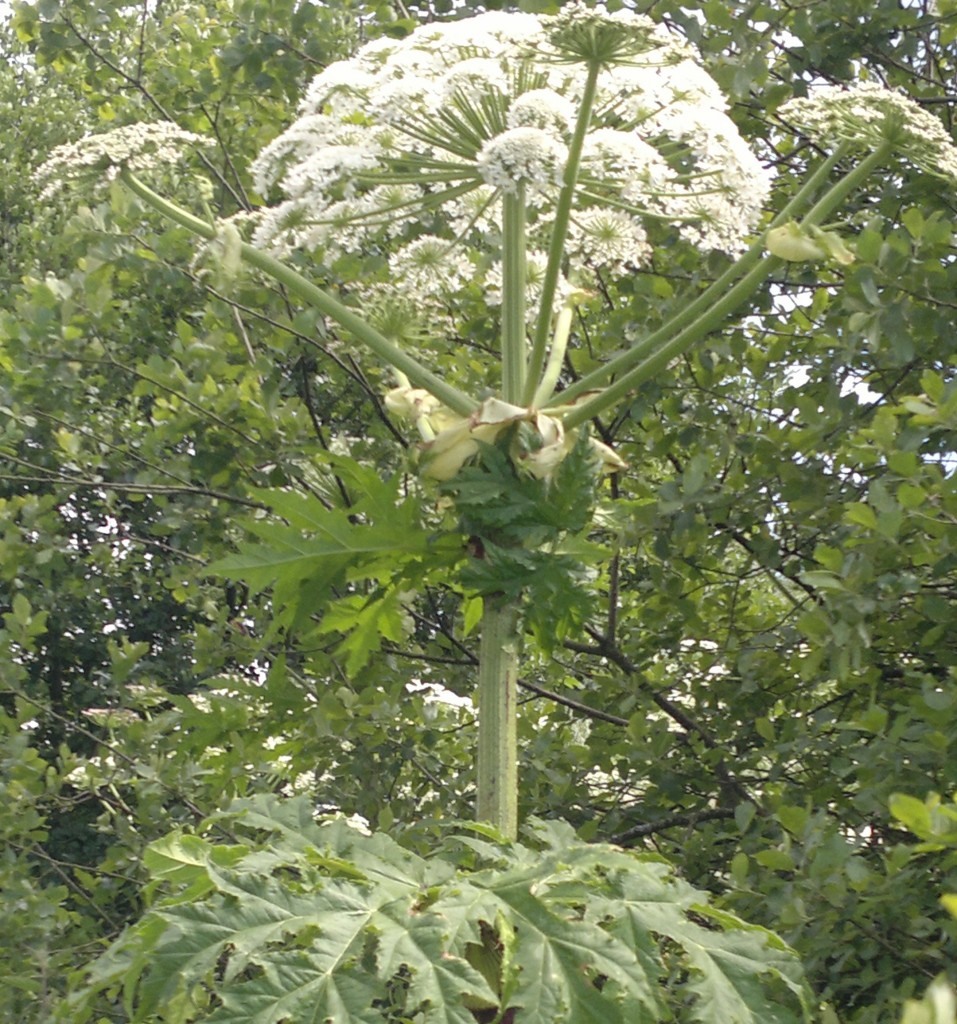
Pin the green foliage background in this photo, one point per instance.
(769, 653)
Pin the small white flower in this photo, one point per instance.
(302, 138)
(395, 100)
(627, 158)
(473, 78)
(542, 108)
(338, 89)
(329, 165)
(478, 213)
(286, 226)
(430, 266)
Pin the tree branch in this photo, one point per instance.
(601, 716)
(649, 828)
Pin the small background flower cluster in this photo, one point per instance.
(140, 147)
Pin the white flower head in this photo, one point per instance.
(542, 108)
(470, 110)
(609, 238)
(393, 99)
(327, 166)
(868, 115)
(626, 157)
(338, 89)
(473, 78)
(139, 147)
(430, 267)
(477, 213)
(522, 156)
(305, 136)
(580, 34)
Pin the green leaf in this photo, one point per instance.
(822, 580)
(22, 612)
(794, 819)
(183, 860)
(914, 814)
(861, 514)
(294, 986)
(319, 922)
(472, 609)
(777, 860)
(366, 623)
(323, 547)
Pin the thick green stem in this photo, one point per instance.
(656, 351)
(497, 695)
(688, 313)
(514, 271)
(327, 304)
(556, 245)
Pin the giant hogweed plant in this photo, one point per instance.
(524, 159)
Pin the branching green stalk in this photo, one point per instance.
(383, 214)
(687, 314)
(662, 355)
(556, 245)
(514, 271)
(663, 351)
(329, 306)
(556, 356)
(497, 694)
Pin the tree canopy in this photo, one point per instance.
(754, 675)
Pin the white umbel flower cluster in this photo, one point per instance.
(868, 115)
(464, 113)
(522, 156)
(140, 147)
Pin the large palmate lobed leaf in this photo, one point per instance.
(306, 923)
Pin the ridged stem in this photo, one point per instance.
(702, 303)
(514, 271)
(556, 245)
(499, 649)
